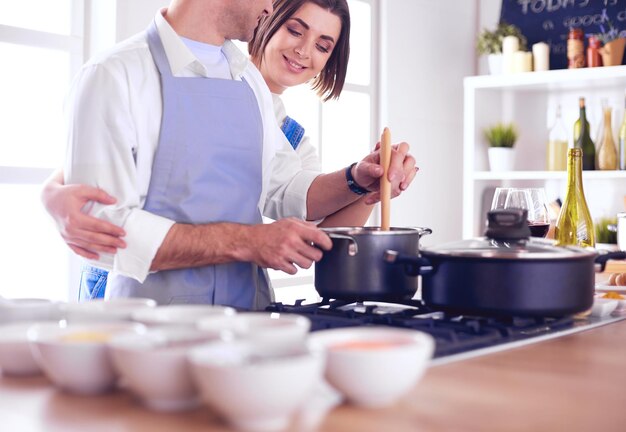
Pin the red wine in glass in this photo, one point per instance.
(538, 229)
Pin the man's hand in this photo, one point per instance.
(402, 171)
(285, 243)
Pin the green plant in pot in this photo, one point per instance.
(489, 43)
(501, 138)
(606, 230)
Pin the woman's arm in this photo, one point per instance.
(84, 234)
(355, 214)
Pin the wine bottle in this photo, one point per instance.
(584, 141)
(577, 127)
(607, 153)
(622, 141)
(574, 225)
(557, 145)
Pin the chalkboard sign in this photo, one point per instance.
(550, 20)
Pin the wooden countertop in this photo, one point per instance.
(572, 383)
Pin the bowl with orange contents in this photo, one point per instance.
(374, 366)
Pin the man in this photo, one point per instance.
(178, 125)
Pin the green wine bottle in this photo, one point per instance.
(577, 127)
(574, 225)
(584, 139)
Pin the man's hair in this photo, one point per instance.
(329, 82)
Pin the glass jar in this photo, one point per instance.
(575, 49)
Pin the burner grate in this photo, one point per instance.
(453, 334)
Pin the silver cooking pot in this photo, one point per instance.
(354, 268)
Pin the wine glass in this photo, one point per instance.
(531, 199)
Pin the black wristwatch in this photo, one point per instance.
(352, 184)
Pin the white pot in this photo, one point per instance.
(501, 158)
(495, 64)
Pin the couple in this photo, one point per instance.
(179, 126)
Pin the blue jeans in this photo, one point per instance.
(93, 283)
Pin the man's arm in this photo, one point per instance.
(278, 245)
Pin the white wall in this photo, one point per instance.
(429, 48)
(134, 16)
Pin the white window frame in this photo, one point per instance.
(73, 44)
(76, 44)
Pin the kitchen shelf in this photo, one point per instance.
(545, 175)
(530, 101)
(562, 79)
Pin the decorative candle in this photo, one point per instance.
(541, 56)
(522, 61)
(510, 45)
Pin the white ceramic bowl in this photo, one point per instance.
(187, 315)
(100, 310)
(263, 327)
(16, 358)
(374, 366)
(28, 309)
(75, 357)
(255, 387)
(154, 365)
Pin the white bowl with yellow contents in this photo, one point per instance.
(75, 357)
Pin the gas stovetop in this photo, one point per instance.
(456, 336)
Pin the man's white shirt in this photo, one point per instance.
(113, 118)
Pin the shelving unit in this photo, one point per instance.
(530, 100)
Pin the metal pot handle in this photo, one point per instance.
(353, 249)
(422, 231)
(413, 265)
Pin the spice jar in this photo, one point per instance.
(575, 49)
(594, 59)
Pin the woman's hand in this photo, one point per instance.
(402, 171)
(84, 234)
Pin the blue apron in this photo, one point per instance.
(207, 168)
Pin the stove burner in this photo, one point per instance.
(453, 334)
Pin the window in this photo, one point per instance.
(41, 46)
(344, 130)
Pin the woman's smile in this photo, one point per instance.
(293, 66)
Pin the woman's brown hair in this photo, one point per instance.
(329, 82)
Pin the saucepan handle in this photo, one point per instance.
(422, 231)
(413, 265)
(603, 258)
(353, 248)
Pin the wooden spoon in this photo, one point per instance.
(385, 185)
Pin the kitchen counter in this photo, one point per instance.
(572, 383)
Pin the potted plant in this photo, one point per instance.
(501, 139)
(613, 45)
(490, 43)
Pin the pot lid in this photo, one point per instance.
(508, 236)
(485, 247)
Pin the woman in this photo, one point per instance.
(304, 40)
